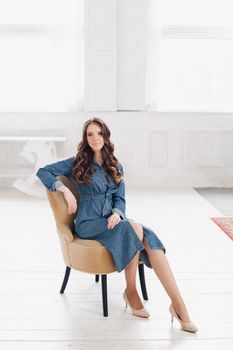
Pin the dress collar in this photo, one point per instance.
(97, 163)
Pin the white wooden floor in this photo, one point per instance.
(33, 315)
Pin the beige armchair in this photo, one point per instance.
(80, 254)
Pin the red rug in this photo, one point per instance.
(226, 224)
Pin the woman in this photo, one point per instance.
(98, 177)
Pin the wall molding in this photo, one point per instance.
(196, 32)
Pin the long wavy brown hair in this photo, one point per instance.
(83, 164)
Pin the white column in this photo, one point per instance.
(101, 55)
(131, 54)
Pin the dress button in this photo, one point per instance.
(104, 183)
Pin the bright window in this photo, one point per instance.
(42, 55)
(190, 51)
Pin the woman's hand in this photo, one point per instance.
(70, 199)
(113, 220)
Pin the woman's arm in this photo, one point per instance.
(48, 174)
(119, 202)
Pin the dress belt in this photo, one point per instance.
(107, 207)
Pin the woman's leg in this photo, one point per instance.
(130, 273)
(162, 269)
(131, 289)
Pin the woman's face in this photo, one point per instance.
(95, 137)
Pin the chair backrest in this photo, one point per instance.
(83, 255)
(59, 206)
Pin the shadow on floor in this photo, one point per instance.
(220, 198)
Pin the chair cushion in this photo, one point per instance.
(90, 256)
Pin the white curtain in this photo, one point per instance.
(41, 55)
(190, 55)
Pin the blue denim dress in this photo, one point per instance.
(98, 200)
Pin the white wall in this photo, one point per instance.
(156, 149)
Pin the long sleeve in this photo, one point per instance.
(119, 202)
(48, 174)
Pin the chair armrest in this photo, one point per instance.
(65, 231)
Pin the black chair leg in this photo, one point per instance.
(66, 277)
(104, 295)
(97, 278)
(142, 281)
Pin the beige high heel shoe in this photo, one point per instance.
(185, 326)
(136, 312)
